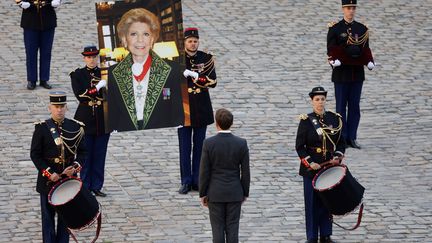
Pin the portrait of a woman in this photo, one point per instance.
(144, 90)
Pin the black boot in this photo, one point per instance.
(353, 143)
(45, 84)
(99, 193)
(184, 189)
(326, 239)
(31, 85)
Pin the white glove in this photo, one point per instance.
(101, 84)
(335, 63)
(55, 3)
(370, 65)
(24, 5)
(189, 73)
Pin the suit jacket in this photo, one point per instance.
(43, 150)
(92, 116)
(200, 106)
(163, 106)
(224, 169)
(43, 19)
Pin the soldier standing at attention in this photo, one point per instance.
(57, 150)
(38, 20)
(348, 51)
(201, 75)
(318, 142)
(88, 88)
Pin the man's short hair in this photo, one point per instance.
(224, 118)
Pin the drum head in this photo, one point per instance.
(329, 177)
(65, 192)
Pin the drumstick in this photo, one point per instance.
(323, 165)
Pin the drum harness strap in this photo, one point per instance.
(359, 218)
(99, 224)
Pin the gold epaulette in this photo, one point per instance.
(337, 114)
(79, 122)
(331, 24)
(303, 117)
(39, 122)
(73, 71)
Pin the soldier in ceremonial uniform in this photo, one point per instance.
(88, 88)
(57, 150)
(39, 21)
(348, 51)
(201, 75)
(318, 142)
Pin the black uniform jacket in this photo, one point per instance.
(163, 106)
(349, 43)
(90, 110)
(44, 150)
(309, 144)
(201, 110)
(44, 18)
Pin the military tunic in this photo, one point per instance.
(321, 146)
(90, 110)
(39, 18)
(349, 43)
(201, 110)
(47, 156)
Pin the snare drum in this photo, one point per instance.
(74, 203)
(339, 191)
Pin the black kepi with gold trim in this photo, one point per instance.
(191, 32)
(317, 91)
(90, 50)
(349, 3)
(57, 98)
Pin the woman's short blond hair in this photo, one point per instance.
(138, 15)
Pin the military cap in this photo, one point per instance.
(318, 91)
(90, 51)
(57, 98)
(349, 3)
(191, 32)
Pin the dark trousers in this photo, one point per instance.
(224, 220)
(188, 137)
(348, 95)
(38, 41)
(49, 234)
(92, 172)
(317, 216)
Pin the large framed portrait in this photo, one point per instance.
(142, 58)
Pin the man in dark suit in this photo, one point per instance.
(224, 178)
